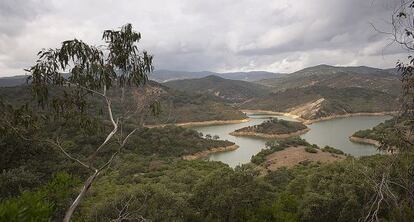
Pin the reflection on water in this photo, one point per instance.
(332, 132)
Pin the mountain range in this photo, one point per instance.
(311, 93)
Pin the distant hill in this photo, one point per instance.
(314, 102)
(339, 77)
(176, 106)
(169, 75)
(13, 81)
(229, 90)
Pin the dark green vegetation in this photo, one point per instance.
(182, 107)
(176, 106)
(330, 149)
(275, 126)
(155, 184)
(277, 145)
(229, 90)
(311, 149)
(381, 131)
(27, 165)
(388, 131)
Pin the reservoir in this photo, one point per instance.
(333, 132)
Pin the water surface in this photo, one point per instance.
(334, 133)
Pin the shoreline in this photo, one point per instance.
(201, 123)
(270, 136)
(361, 140)
(268, 112)
(311, 121)
(206, 153)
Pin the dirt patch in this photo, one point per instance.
(293, 156)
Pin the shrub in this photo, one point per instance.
(330, 149)
(310, 149)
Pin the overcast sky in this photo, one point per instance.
(195, 35)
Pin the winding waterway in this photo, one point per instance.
(333, 132)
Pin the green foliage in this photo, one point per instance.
(13, 181)
(310, 149)
(178, 191)
(41, 205)
(172, 141)
(30, 206)
(225, 195)
(275, 126)
(330, 149)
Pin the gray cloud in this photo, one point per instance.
(228, 35)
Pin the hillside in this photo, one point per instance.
(339, 77)
(229, 90)
(316, 102)
(13, 81)
(169, 75)
(176, 106)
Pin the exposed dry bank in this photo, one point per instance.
(356, 139)
(201, 123)
(310, 121)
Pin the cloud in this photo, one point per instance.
(226, 35)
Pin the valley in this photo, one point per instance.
(206, 111)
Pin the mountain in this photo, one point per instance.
(339, 77)
(315, 102)
(229, 90)
(13, 81)
(169, 75)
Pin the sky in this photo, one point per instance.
(210, 35)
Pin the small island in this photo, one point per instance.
(273, 129)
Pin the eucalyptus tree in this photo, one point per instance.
(393, 182)
(66, 79)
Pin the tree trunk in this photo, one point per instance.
(81, 195)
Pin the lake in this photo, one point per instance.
(333, 132)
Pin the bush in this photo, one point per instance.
(330, 149)
(310, 149)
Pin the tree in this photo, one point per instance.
(394, 182)
(104, 75)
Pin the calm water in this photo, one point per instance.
(332, 132)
